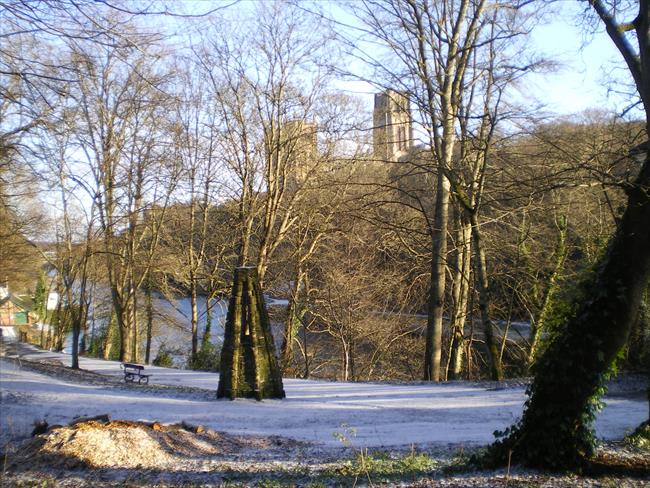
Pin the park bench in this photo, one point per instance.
(133, 372)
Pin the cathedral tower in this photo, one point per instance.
(392, 132)
(299, 147)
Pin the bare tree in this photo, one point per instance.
(265, 88)
(196, 138)
(75, 234)
(323, 178)
(355, 299)
(122, 142)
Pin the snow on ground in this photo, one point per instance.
(366, 414)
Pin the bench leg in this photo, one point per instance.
(144, 380)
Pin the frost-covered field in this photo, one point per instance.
(365, 414)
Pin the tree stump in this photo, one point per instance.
(249, 366)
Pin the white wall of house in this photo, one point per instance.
(8, 333)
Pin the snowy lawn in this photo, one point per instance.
(367, 414)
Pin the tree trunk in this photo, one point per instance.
(286, 351)
(76, 331)
(207, 333)
(122, 317)
(539, 322)
(433, 348)
(77, 315)
(125, 341)
(461, 298)
(345, 361)
(108, 340)
(80, 315)
(496, 372)
(195, 314)
(58, 330)
(93, 341)
(42, 339)
(305, 351)
(134, 327)
(49, 338)
(292, 323)
(352, 376)
(148, 304)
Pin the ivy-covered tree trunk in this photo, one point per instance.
(249, 367)
(207, 333)
(545, 305)
(194, 306)
(108, 338)
(122, 317)
(295, 309)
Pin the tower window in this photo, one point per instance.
(401, 138)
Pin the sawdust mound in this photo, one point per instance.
(124, 444)
(98, 445)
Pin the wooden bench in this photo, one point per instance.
(133, 372)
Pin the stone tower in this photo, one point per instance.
(249, 367)
(392, 132)
(299, 146)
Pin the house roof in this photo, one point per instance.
(22, 302)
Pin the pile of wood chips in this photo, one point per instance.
(99, 442)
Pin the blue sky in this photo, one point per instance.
(586, 60)
(588, 63)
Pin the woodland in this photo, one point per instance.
(148, 150)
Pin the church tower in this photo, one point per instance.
(299, 147)
(392, 132)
